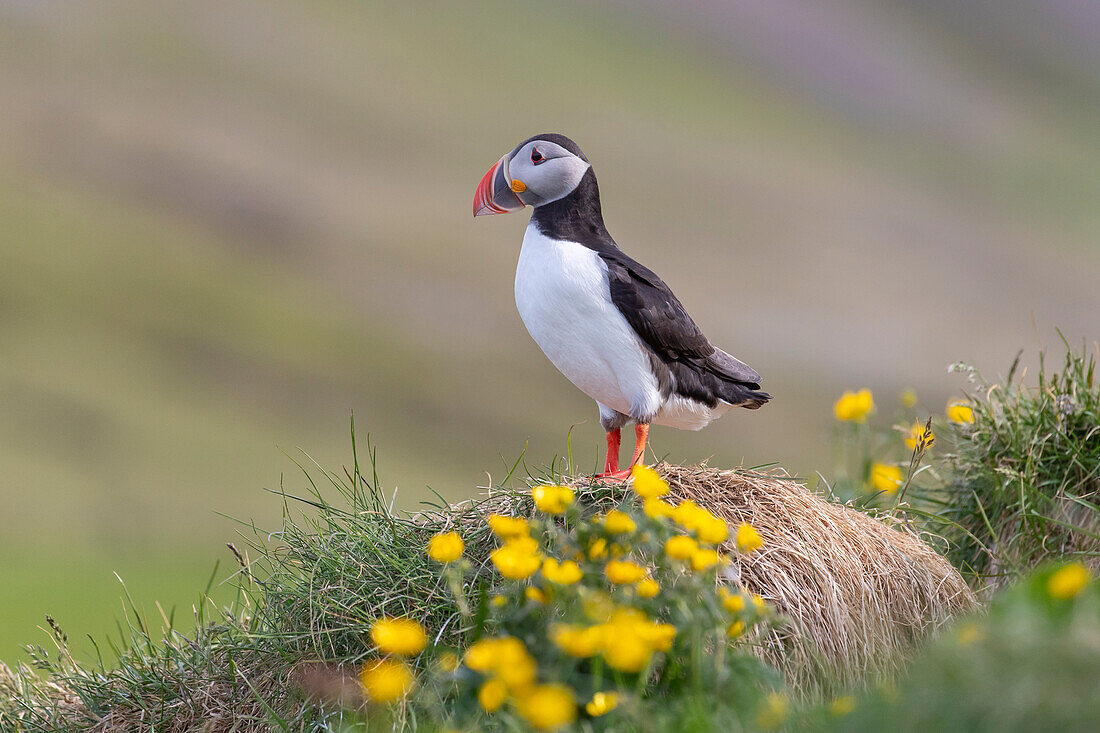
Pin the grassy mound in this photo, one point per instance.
(857, 591)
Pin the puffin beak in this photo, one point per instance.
(494, 194)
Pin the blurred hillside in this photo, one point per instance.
(228, 225)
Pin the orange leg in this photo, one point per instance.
(611, 467)
(641, 434)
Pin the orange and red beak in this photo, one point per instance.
(494, 194)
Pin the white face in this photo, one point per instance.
(546, 170)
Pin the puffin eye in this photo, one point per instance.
(536, 156)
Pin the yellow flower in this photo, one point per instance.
(732, 602)
(760, 604)
(548, 707)
(735, 629)
(706, 559)
(552, 499)
(885, 478)
(917, 434)
(658, 636)
(1068, 581)
(854, 406)
(448, 662)
(508, 527)
(842, 706)
(491, 694)
(748, 539)
(514, 665)
(479, 655)
(446, 547)
(647, 588)
(655, 508)
(690, 515)
(516, 562)
(908, 399)
(967, 634)
(629, 638)
(504, 657)
(534, 594)
(624, 571)
(562, 573)
(713, 531)
(681, 547)
(625, 650)
(602, 703)
(617, 522)
(401, 636)
(773, 711)
(522, 543)
(386, 680)
(598, 549)
(960, 412)
(576, 641)
(520, 676)
(648, 484)
(498, 600)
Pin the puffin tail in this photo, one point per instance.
(740, 382)
(750, 399)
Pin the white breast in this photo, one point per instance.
(563, 297)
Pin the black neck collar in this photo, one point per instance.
(576, 217)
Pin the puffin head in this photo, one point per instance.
(539, 170)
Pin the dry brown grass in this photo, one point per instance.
(859, 593)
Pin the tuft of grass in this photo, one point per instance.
(1022, 484)
(326, 574)
(166, 681)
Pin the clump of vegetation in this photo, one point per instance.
(1030, 663)
(612, 618)
(301, 645)
(1022, 483)
(289, 653)
(1014, 476)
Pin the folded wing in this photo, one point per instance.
(684, 359)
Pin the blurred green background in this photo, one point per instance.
(228, 225)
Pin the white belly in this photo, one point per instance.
(680, 412)
(563, 297)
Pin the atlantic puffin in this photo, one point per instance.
(607, 322)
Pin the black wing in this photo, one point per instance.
(652, 309)
(698, 369)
